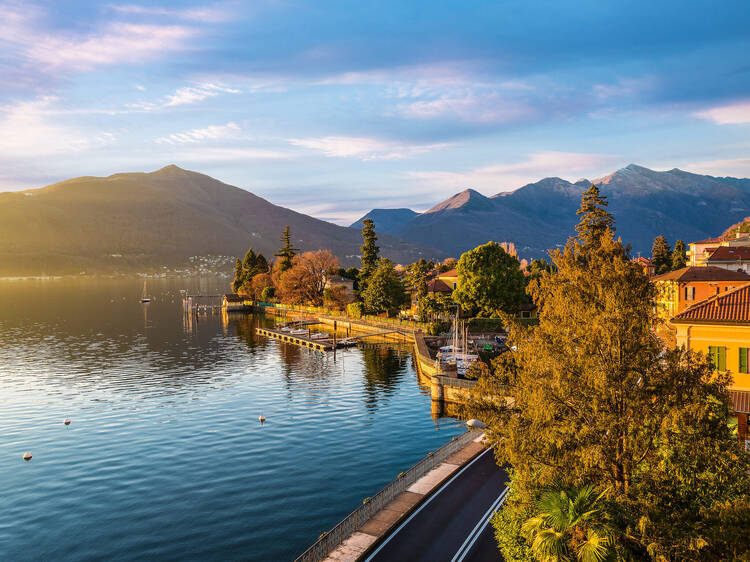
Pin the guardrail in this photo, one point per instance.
(369, 320)
(357, 518)
(453, 381)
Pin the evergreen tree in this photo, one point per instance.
(679, 257)
(239, 276)
(369, 253)
(287, 252)
(661, 255)
(595, 219)
(385, 291)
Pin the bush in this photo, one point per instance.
(354, 309)
(486, 325)
(267, 294)
(507, 523)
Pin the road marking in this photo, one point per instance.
(479, 528)
(421, 507)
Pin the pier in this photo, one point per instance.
(327, 344)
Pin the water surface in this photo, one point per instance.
(165, 457)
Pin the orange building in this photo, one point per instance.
(677, 290)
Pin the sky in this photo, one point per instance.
(333, 108)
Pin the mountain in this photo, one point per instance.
(542, 215)
(136, 221)
(386, 220)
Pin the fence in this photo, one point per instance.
(453, 381)
(357, 518)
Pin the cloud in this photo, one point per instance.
(737, 167)
(731, 114)
(212, 14)
(26, 131)
(212, 132)
(469, 107)
(364, 148)
(504, 177)
(27, 41)
(225, 155)
(185, 96)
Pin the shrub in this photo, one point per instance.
(354, 309)
(267, 294)
(438, 327)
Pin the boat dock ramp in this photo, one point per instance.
(306, 339)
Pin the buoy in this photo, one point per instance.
(27, 456)
(476, 423)
(66, 421)
(262, 418)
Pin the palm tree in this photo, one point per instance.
(571, 524)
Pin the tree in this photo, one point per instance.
(369, 253)
(239, 276)
(244, 271)
(489, 281)
(385, 291)
(590, 396)
(661, 255)
(679, 257)
(305, 281)
(287, 252)
(260, 283)
(595, 219)
(570, 524)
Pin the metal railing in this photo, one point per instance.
(453, 381)
(357, 518)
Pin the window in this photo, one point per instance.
(718, 290)
(454, 285)
(743, 360)
(689, 293)
(718, 355)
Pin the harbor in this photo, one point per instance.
(297, 335)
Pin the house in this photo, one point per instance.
(338, 281)
(700, 252)
(720, 326)
(233, 302)
(527, 310)
(450, 278)
(677, 290)
(734, 258)
(648, 268)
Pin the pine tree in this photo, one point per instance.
(595, 219)
(679, 257)
(369, 253)
(239, 276)
(661, 255)
(287, 252)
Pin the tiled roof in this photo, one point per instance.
(732, 307)
(642, 261)
(703, 273)
(740, 401)
(233, 297)
(729, 253)
(438, 286)
(450, 273)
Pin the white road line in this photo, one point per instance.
(484, 522)
(421, 507)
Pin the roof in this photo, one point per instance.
(338, 279)
(233, 297)
(740, 401)
(730, 253)
(449, 273)
(732, 307)
(702, 273)
(438, 286)
(710, 240)
(642, 261)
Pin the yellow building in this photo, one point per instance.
(720, 327)
(450, 278)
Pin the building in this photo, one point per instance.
(338, 281)
(677, 290)
(720, 326)
(233, 302)
(450, 278)
(734, 258)
(648, 268)
(700, 252)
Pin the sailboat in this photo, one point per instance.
(144, 297)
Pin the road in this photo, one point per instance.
(452, 525)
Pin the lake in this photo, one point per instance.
(165, 457)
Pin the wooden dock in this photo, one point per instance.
(328, 344)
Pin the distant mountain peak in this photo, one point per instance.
(462, 199)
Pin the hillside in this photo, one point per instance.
(387, 220)
(541, 215)
(133, 221)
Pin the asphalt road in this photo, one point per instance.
(452, 525)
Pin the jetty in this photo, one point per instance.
(319, 344)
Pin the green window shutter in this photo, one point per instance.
(713, 356)
(743, 360)
(722, 362)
